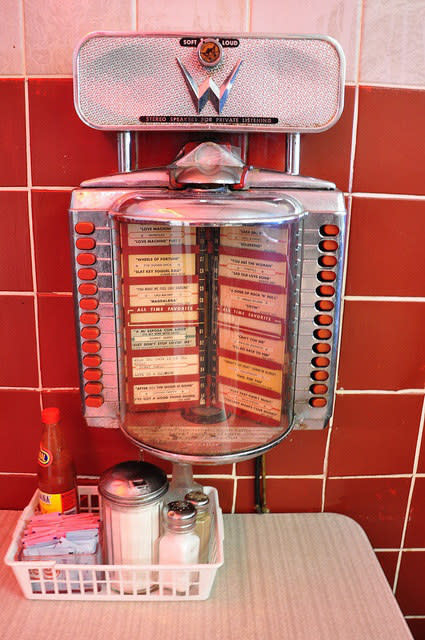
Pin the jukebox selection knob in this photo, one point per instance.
(93, 388)
(94, 401)
(89, 304)
(87, 289)
(92, 360)
(87, 274)
(92, 374)
(85, 228)
(318, 402)
(90, 333)
(91, 346)
(89, 318)
(85, 243)
(86, 258)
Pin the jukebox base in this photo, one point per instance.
(168, 435)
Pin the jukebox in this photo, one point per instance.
(207, 292)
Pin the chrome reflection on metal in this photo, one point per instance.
(126, 151)
(293, 154)
(208, 89)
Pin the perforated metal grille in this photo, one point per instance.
(119, 78)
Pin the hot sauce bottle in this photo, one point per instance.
(56, 472)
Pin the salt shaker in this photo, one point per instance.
(132, 495)
(203, 521)
(178, 545)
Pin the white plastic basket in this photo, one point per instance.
(88, 580)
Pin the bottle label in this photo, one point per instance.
(58, 502)
(45, 457)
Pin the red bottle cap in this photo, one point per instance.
(50, 415)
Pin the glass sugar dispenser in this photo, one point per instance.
(132, 499)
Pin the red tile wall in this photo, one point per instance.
(370, 463)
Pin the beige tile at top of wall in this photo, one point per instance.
(11, 50)
(54, 27)
(186, 16)
(393, 42)
(337, 18)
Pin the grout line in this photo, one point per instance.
(386, 196)
(384, 299)
(326, 465)
(377, 476)
(135, 14)
(410, 496)
(42, 389)
(235, 491)
(249, 16)
(18, 473)
(392, 392)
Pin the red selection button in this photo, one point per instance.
(89, 318)
(90, 333)
(85, 243)
(87, 289)
(92, 374)
(318, 402)
(94, 401)
(86, 258)
(93, 387)
(89, 304)
(85, 228)
(87, 274)
(92, 361)
(91, 346)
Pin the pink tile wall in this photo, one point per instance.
(370, 464)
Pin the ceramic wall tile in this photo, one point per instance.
(377, 504)
(18, 342)
(53, 28)
(388, 561)
(283, 495)
(11, 30)
(395, 229)
(415, 534)
(382, 345)
(341, 20)
(393, 42)
(17, 490)
(52, 244)
(15, 242)
(187, 16)
(65, 151)
(58, 345)
(20, 422)
(13, 161)
(390, 154)
(410, 586)
(374, 434)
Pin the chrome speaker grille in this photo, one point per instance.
(135, 82)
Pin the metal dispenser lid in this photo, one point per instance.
(133, 483)
(199, 500)
(180, 516)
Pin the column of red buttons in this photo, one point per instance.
(89, 318)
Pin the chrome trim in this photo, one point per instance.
(293, 148)
(208, 89)
(340, 78)
(125, 144)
